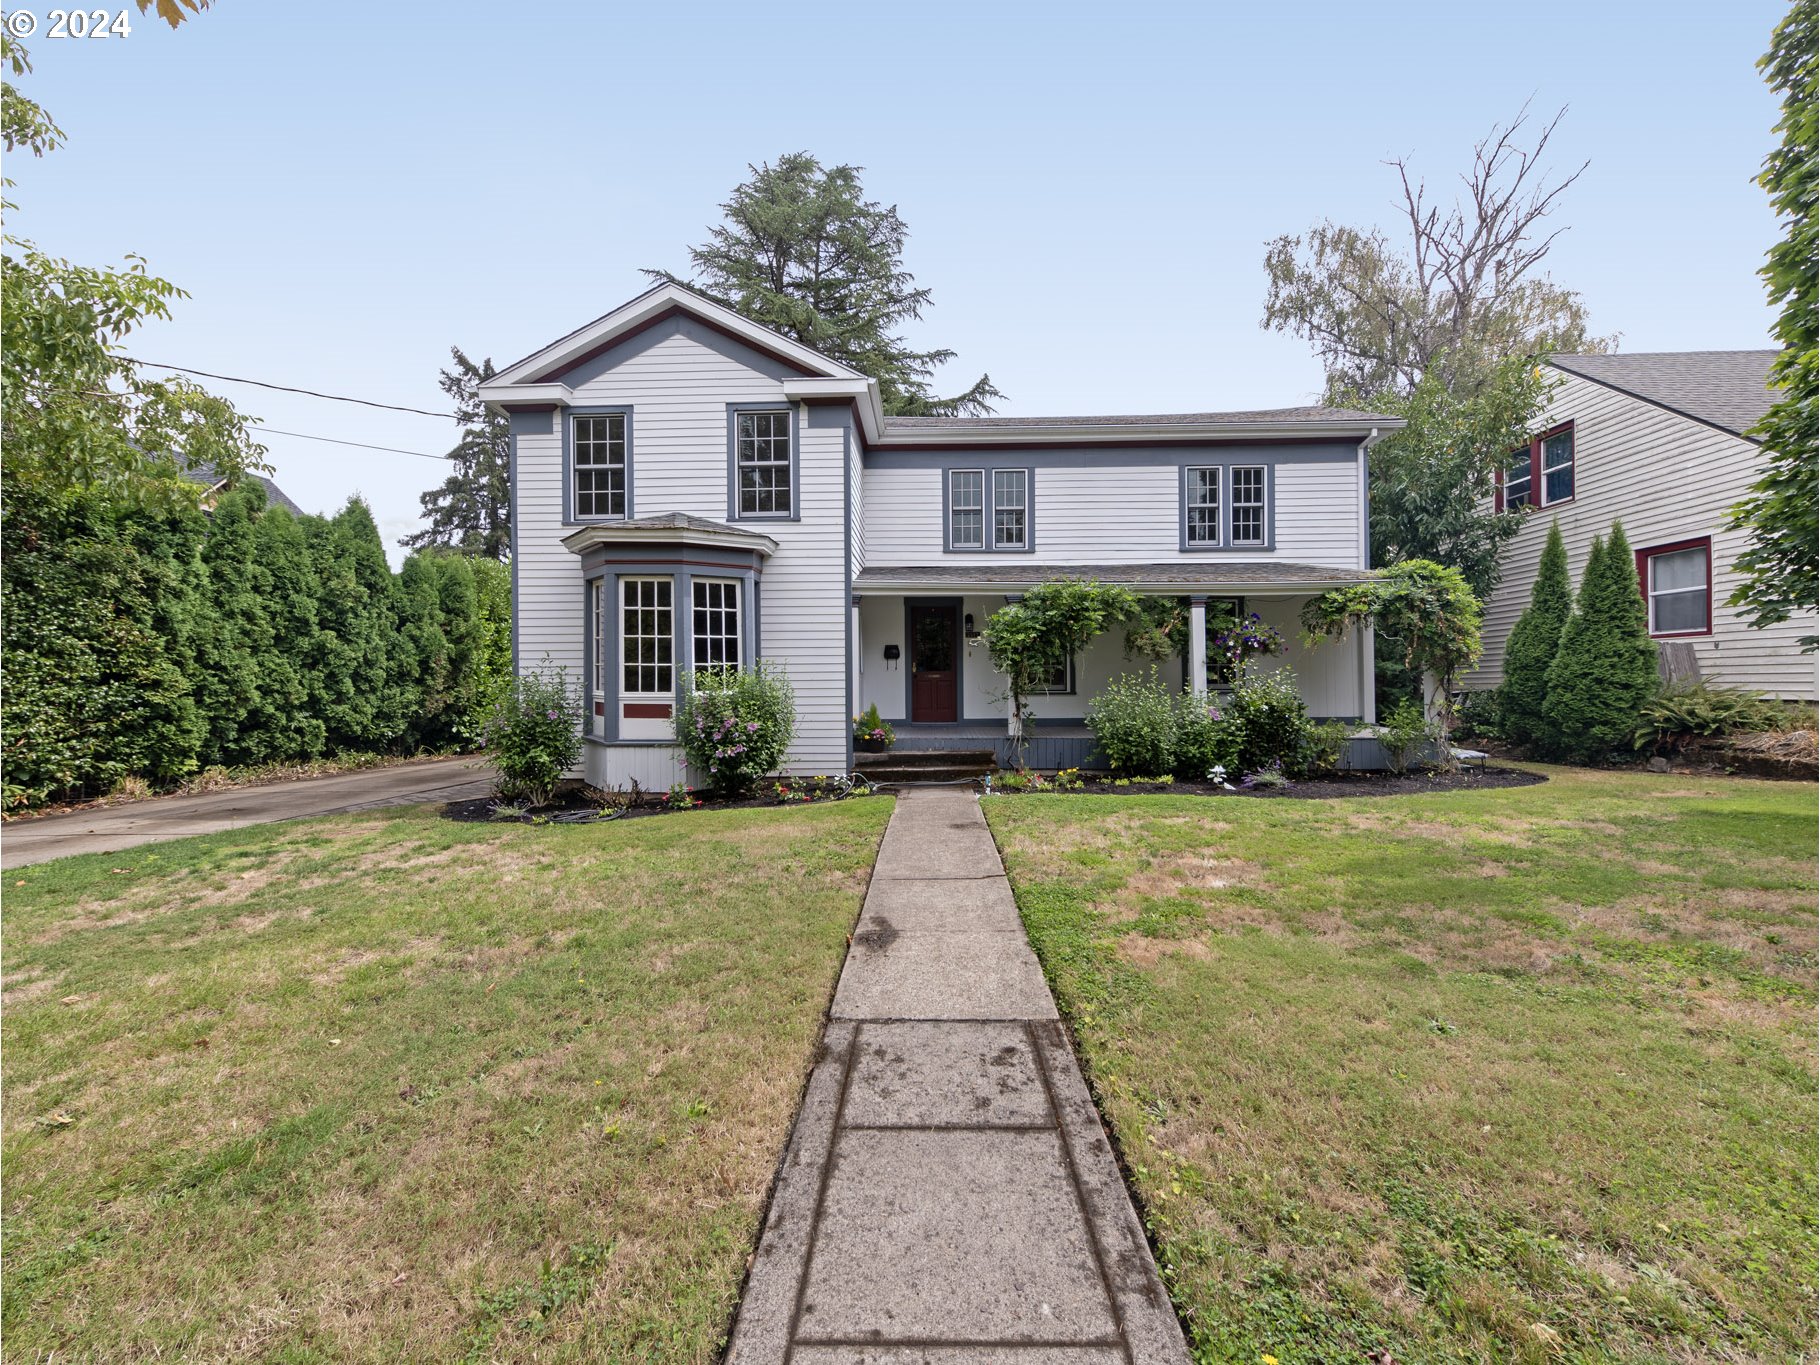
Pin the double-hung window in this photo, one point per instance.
(1250, 518)
(598, 455)
(967, 509)
(1010, 505)
(597, 655)
(1677, 581)
(762, 464)
(647, 637)
(715, 623)
(1202, 511)
(1541, 473)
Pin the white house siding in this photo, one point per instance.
(678, 381)
(1668, 478)
(1119, 512)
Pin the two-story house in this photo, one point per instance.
(690, 489)
(1656, 440)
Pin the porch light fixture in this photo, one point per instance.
(970, 630)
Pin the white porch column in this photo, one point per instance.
(1368, 675)
(1197, 645)
(855, 652)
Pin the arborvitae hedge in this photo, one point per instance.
(151, 644)
(1605, 669)
(1534, 641)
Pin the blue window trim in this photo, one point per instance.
(988, 473)
(1226, 546)
(796, 451)
(567, 418)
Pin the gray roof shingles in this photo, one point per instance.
(1259, 417)
(1184, 572)
(1724, 389)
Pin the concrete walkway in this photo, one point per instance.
(949, 1196)
(107, 829)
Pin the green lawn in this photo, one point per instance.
(1512, 1075)
(383, 1087)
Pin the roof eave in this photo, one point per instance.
(1125, 433)
(610, 533)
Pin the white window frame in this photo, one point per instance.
(978, 509)
(732, 622)
(1541, 459)
(1262, 504)
(630, 614)
(1022, 508)
(617, 472)
(1190, 506)
(597, 654)
(1651, 593)
(771, 463)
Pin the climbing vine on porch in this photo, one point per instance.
(1028, 639)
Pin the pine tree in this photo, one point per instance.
(1605, 670)
(472, 510)
(1534, 642)
(804, 252)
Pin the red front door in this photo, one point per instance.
(935, 664)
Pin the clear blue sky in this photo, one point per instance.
(347, 189)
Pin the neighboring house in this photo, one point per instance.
(213, 486)
(689, 488)
(1655, 440)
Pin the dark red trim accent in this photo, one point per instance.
(600, 708)
(647, 710)
(1538, 487)
(674, 310)
(1643, 557)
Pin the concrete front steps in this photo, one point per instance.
(899, 767)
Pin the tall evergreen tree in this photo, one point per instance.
(358, 642)
(1534, 642)
(422, 663)
(471, 511)
(1781, 563)
(230, 691)
(804, 252)
(290, 711)
(1605, 670)
(493, 646)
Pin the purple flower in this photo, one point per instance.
(751, 727)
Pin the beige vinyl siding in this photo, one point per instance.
(1115, 514)
(678, 389)
(1668, 478)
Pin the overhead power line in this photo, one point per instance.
(337, 441)
(311, 393)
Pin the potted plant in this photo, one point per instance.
(871, 735)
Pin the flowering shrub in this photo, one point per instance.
(736, 725)
(679, 797)
(803, 790)
(1207, 736)
(1069, 779)
(1143, 727)
(533, 735)
(871, 727)
(1229, 648)
(1273, 722)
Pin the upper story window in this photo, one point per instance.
(1677, 582)
(1203, 506)
(599, 460)
(1541, 473)
(763, 465)
(715, 612)
(646, 648)
(1010, 503)
(1249, 514)
(988, 509)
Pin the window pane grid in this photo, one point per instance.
(1009, 500)
(716, 623)
(599, 454)
(646, 640)
(763, 457)
(966, 509)
(1558, 467)
(1248, 505)
(1204, 506)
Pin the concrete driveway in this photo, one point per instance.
(107, 829)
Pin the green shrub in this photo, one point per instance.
(1480, 715)
(1326, 746)
(1605, 671)
(1705, 711)
(1273, 723)
(1205, 736)
(1534, 642)
(534, 735)
(736, 725)
(1134, 721)
(1403, 733)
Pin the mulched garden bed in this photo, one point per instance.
(1312, 789)
(578, 804)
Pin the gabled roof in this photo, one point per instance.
(274, 495)
(1724, 389)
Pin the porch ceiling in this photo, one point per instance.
(1191, 576)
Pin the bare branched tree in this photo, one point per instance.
(1464, 294)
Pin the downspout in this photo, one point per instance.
(1368, 643)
